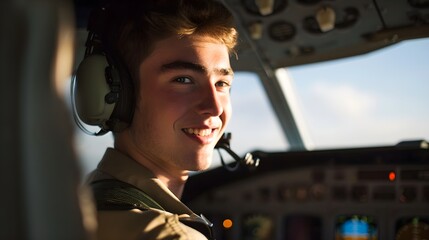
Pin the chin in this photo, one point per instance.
(196, 160)
(202, 163)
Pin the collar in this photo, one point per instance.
(119, 166)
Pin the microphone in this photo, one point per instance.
(248, 160)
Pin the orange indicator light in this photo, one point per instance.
(392, 176)
(227, 223)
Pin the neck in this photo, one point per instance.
(173, 179)
(176, 186)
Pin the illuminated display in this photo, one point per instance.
(412, 228)
(257, 227)
(355, 227)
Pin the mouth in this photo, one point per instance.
(201, 135)
(198, 132)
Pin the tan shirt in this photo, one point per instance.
(137, 224)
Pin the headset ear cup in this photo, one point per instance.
(91, 91)
(123, 113)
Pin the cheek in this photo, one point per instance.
(163, 110)
(227, 111)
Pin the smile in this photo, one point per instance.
(198, 132)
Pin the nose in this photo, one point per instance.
(211, 102)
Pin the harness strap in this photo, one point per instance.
(112, 194)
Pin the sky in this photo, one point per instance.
(380, 98)
(376, 99)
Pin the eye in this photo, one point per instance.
(223, 85)
(184, 80)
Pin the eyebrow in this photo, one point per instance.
(195, 67)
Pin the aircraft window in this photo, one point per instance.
(379, 98)
(253, 124)
(90, 149)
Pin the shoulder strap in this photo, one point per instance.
(112, 194)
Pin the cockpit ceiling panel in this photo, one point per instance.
(289, 33)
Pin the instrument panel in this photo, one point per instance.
(367, 193)
(288, 33)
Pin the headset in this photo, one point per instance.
(102, 90)
(248, 161)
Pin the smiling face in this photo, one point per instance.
(183, 103)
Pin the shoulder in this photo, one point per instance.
(150, 224)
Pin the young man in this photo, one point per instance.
(176, 54)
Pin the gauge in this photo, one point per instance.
(416, 229)
(356, 227)
(345, 19)
(253, 8)
(281, 31)
(257, 227)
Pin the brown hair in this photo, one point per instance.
(135, 25)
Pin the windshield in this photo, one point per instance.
(379, 98)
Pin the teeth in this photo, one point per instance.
(198, 132)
